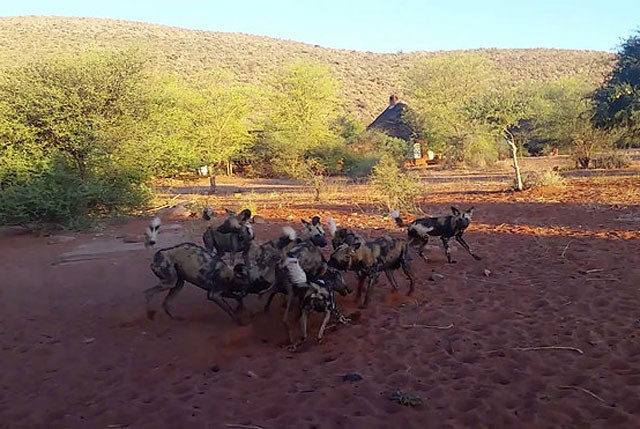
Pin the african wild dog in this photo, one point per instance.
(367, 260)
(188, 262)
(234, 235)
(342, 235)
(151, 233)
(305, 249)
(316, 296)
(313, 232)
(444, 227)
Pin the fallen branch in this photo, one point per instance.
(588, 392)
(234, 425)
(414, 325)
(573, 349)
(564, 251)
(167, 205)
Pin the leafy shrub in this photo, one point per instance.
(542, 179)
(473, 150)
(611, 161)
(399, 189)
(58, 195)
(359, 166)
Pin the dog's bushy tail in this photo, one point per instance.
(151, 233)
(331, 225)
(288, 235)
(395, 215)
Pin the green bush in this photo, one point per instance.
(472, 150)
(58, 195)
(397, 188)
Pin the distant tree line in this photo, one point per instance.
(82, 137)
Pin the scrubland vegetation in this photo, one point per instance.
(86, 127)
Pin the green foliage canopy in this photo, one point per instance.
(617, 101)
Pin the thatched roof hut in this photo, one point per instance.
(392, 121)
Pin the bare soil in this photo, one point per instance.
(542, 333)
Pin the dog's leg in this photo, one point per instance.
(303, 327)
(464, 244)
(373, 278)
(327, 316)
(422, 245)
(240, 305)
(447, 249)
(406, 268)
(392, 279)
(149, 294)
(266, 306)
(217, 298)
(285, 318)
(361, 278)
(166, 304)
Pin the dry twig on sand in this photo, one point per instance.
(588, 392)
(564, 251)
(573, 349)
(415, 325)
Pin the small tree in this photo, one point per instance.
(302, 113)
(617, 101)
(565, 118)
(503, 110)
(440, 91)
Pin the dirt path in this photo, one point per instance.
(77, 350)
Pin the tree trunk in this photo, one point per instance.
(212, 180)
(229, 168)
(516, 166)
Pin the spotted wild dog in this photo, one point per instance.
(194, 264)
(445, 227)
(317, 296)
(234, 235)
(342, 235)
(369, 259)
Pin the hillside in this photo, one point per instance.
(367, 78)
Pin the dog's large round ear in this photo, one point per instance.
(315, 220)
(455, 211)
(245, 215)
(471, 209)
(304, 222)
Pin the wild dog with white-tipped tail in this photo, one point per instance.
(190, 263)
(445, 227)
(342, 235)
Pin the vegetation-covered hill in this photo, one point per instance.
(367, 78)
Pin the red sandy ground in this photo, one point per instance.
(77, 350)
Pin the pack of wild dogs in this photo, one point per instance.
(293, 264)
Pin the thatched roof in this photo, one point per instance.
(392, 121)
